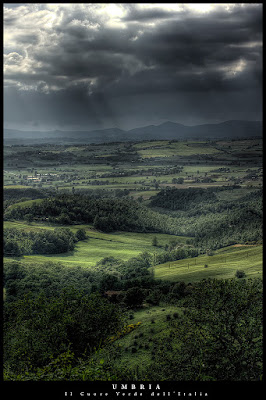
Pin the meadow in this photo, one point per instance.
(136, 349)
(223, 264)
(98, 245)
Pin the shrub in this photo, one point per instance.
(240, 274)
(81, 234)
(155, 241)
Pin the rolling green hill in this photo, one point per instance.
(138, 346)
(121, 245)
(222, 265)
(26, 203)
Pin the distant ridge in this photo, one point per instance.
(166, 131)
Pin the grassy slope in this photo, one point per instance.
(26, 203)
(145, 334)
(122, 245)
(222, 265)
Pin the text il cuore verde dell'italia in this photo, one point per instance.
(138, 390)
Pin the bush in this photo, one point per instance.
(240, 274)
(134, 297)
(11, 248)
(155, 241)
(81, 234)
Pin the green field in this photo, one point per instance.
(121, 245)
(69, 166)
(177, 148)
(26, 203)
(125, 245)
(222, 265)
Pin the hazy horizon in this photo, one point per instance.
(126, 130)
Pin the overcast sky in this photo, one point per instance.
(91, 66)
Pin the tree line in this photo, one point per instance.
(106, 214)
(18, 242)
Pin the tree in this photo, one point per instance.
(240, 274)
(134, 297)
(64, 219)
(11, 248)
(155, 241)
(219, 337)
(28, 218)
(81, 234)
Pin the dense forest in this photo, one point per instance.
(106, 214)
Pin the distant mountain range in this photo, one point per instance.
(165, 131)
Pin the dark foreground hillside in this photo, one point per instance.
(215, 334)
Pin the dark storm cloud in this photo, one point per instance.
(136, 15)
(199, 40)
(90, 63)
